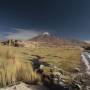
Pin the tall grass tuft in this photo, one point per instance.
(27, 75)
(12, 69)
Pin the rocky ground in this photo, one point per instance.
(85, 83)
(83, 70)
(23, 86)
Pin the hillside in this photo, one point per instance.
(48, 39)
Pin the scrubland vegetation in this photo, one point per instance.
(13, 69)
(65, 58)
(16, 62)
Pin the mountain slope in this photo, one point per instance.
(47, 39)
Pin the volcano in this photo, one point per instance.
(47, 39)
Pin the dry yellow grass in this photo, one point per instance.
(15, 62)
(65, 58)
(13, 69)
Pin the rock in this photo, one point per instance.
(41, 66)
(87, 87)
(61, 83)
(56, 73)
(23, 86)
(76, 70)
(78, 87)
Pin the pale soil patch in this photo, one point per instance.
(23, 86)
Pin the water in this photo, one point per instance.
(86, 60)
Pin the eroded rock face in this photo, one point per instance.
(23, 86)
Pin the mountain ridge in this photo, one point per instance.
(50, 39)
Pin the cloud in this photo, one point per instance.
(22, 34)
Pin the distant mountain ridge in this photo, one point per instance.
(88, 41)
(48, 39)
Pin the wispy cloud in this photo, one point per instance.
(22, 34)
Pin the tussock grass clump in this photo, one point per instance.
(12, 69)
(27, 75)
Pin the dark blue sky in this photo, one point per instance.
(67, 18)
